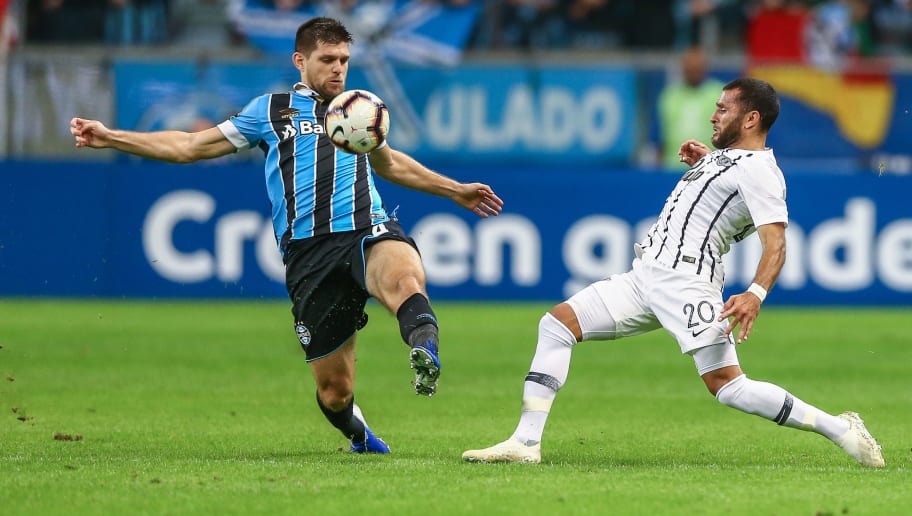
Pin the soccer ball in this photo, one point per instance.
(357, 121)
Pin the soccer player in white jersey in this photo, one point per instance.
(676, 283)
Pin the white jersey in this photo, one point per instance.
(722, 198)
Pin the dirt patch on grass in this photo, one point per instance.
(58, 436)
(21, 417)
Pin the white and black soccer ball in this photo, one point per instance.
(357, 121)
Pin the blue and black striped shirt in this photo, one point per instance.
(314, 188)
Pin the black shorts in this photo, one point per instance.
(325, 278)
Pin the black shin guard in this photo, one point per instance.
(345, 420)
(416, 314)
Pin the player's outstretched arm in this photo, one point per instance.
(402, 169)
(172, 146)
(745, 307)
(691, 151)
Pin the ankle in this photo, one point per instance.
(425, 334)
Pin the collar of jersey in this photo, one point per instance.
(305, 90)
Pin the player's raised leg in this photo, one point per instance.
(395, 277)
(334, 375)
(733, 388)
(549, 370)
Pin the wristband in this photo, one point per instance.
(757, 290)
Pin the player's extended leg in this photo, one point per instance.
(558, 332)
(718, 366)
(395, 277)
(334, 375)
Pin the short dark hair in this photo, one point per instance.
(320, 30)
(757, 95)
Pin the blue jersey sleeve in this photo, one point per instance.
(245, 129)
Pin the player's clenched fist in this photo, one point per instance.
(89, 133)
(691, 151)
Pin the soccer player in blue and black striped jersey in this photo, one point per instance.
(339, 244)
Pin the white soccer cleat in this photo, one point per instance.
(510, 450)
(859, 443)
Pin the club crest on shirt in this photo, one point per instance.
(723, 161)
(288, 112)
(303, 334)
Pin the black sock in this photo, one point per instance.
(417, 322)
(345, 420)
(423, 334)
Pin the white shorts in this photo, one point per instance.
(650, 296)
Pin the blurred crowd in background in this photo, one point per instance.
(812, 30)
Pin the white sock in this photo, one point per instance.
(776, 404)
(548, 372)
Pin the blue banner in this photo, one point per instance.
(544, 116)
(497, 113)
(155, 230)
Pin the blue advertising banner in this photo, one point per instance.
(541, 115)
(189, 96)
(506, 114)
(154, 230)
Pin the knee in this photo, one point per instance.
(335, 395)
(565, 315)
(552, 329)
(409, 283)
(394, 290)
(716, 380)
(713, 386)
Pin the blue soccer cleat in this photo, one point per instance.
(372, 443)
(423, 359)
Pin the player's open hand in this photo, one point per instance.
(89, 133)
(691, 151)
(743, 310)
(480, 199)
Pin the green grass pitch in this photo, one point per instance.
(208, 408)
